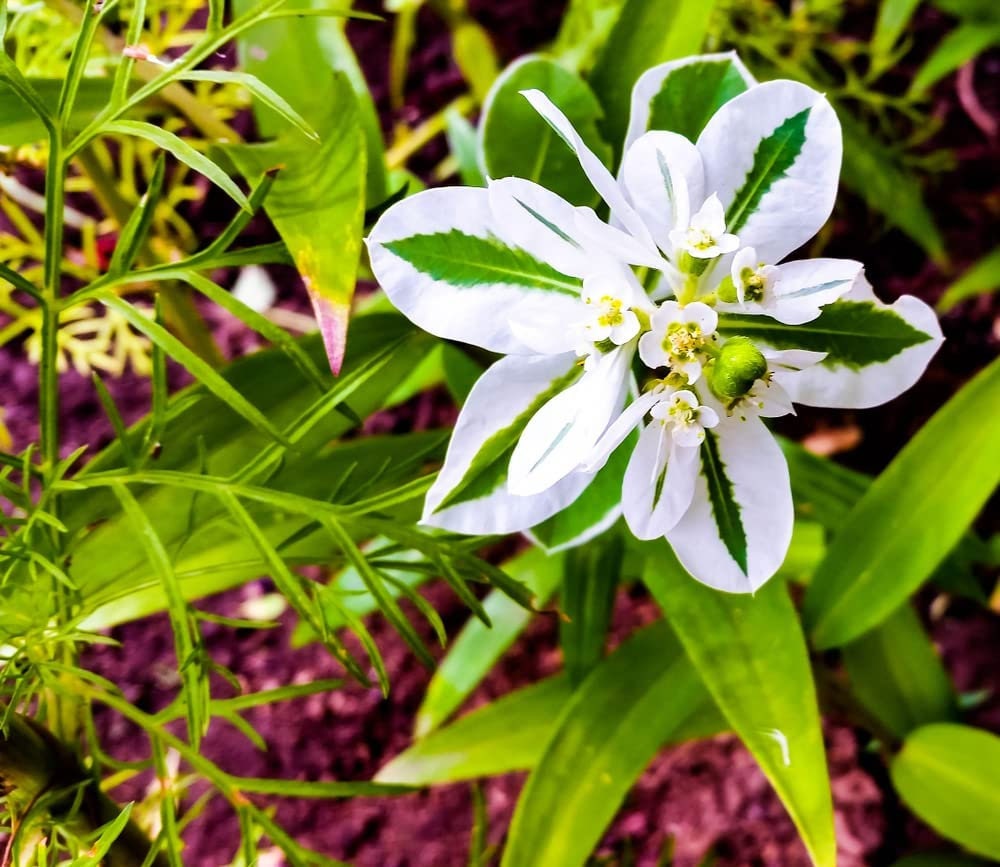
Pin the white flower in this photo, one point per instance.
(678, 338)
(705, 237)
(707, 210)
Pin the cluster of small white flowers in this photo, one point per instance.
(691, 256)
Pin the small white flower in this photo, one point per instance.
(611, 317)
(677, 337)
(705, 236)
(685, 417)
(754, 281)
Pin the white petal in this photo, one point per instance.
(799, 203)
(804, 287)
(651, 349)
(791, 359)
(503, 393)
(755, 466)
(606, 240)
(701, 315)
(562, 434)
(528, 216)
(711, 217)
(480, 314)
(859, 387)
(596, 171)
(619, 429)
(655, 455)
(650, 82)
(663, 175)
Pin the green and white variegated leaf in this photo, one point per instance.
(875, 351)
(772, 154)
(739, 526)
(470, 495)
(681, 96)
(515, 141)
(594, 511)
(442, 259)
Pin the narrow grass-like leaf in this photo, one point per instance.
(196, 366)
(133, 233)
(979, 279)
(195, 681)
(478, 647)
(183, 151)
(885, 550)
(268, 96)
(259, 323)
(957, 48)
(752, 656)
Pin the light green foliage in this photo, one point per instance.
(647, 32)
(980, 278)
(883, 551)
(947, 773)
(752, 657)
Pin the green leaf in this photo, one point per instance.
(506, 735)
(979, 279)
(597, 507)
(517, 141)
(260, 91)
(198, 368)
(477, 648)
(961, 45)
(106, 838)
(183, 151)
(774, 156)
(317, 204)
(20, 125)
(897, 675)
(488, 469)
(108, 564)
(947, 774)
(302, 58)
(893, 16)
(911, 516)
(585, 27)
(465, 260)
(474, 55)
(725, 508)
(133, 234)
(876, 174)
(752, 656)
(590, 581)
(646, 33)
(940, 859)
(854, 334)
(692, 93)
(644, 695)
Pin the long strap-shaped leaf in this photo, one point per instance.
(752, 656)
(639, 698)
(911, 516)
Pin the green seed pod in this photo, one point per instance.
(738, 366)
